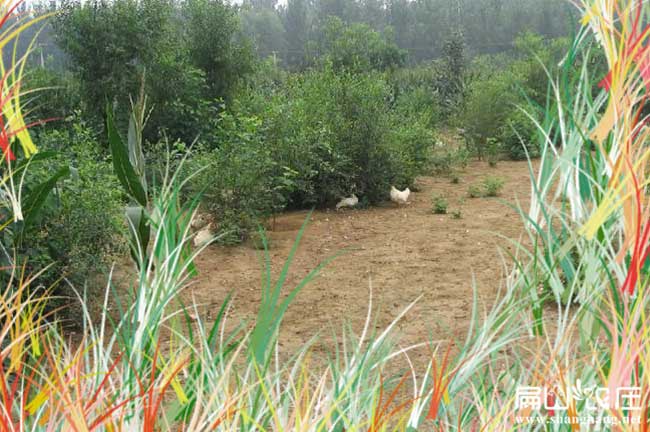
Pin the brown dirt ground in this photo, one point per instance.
(407, 252)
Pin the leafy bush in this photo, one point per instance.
(501, 87)
(56, 94)
(492, 186)
(83, 222)
(309, 140)
(457, 214)
(187, 52)
(237, 179)
(444, 162)
(439, 204)
(416, 93)
(419, 102)
(519, 136)
(487, 106)
(357, 48)
(474, 191)
(493, 149)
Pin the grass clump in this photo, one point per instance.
(492, 186)
(439, 204)
(474, 191)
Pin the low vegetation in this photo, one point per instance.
(439, 204)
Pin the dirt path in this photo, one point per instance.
(407, 253)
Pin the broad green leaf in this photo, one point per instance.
(140, 230)
(34, 201)
(122, 165)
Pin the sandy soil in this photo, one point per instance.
(406, 252)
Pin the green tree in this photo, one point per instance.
(212, 29)
(264, 27)
(111, 44)
(359, 48)
(297, 26)
(191, 54)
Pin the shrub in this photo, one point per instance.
(409, 145)
(309, 140)
(457, 214)
(83, 223)
(492, 186)
(475, 191)
(439, 204)
(488, 105)
(444, 162)
(61, 98)
(415, 99)
(493, 148)
(357, 47)
(519, 136)
(335, 134)
(237, 178)
(188, 53)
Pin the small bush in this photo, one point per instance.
(519, 136)
(439, 204)
(475, 191)
(446, 161)
(488, 105)
(457, 214)
(492, 186)
(237, 180)
(493, 149)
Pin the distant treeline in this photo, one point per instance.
(294, 33)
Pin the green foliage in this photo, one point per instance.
(264, 28)
(452, 86)
(357, 48)
(82, 223)
(492, 186)
(416, 93)
(439, 204)
(444, 161)
(501, 88)
(423, 28)
(519, 136)
(488, 105)
(187, 53)
(52, 94)
(457, 214)
(210, 29)
(308, 140)
(493, 149)
(475, 191)
(237, 179)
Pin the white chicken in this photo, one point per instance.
(348, 202)
(204, 236)
(399, 197)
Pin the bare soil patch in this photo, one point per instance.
(406, 252)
